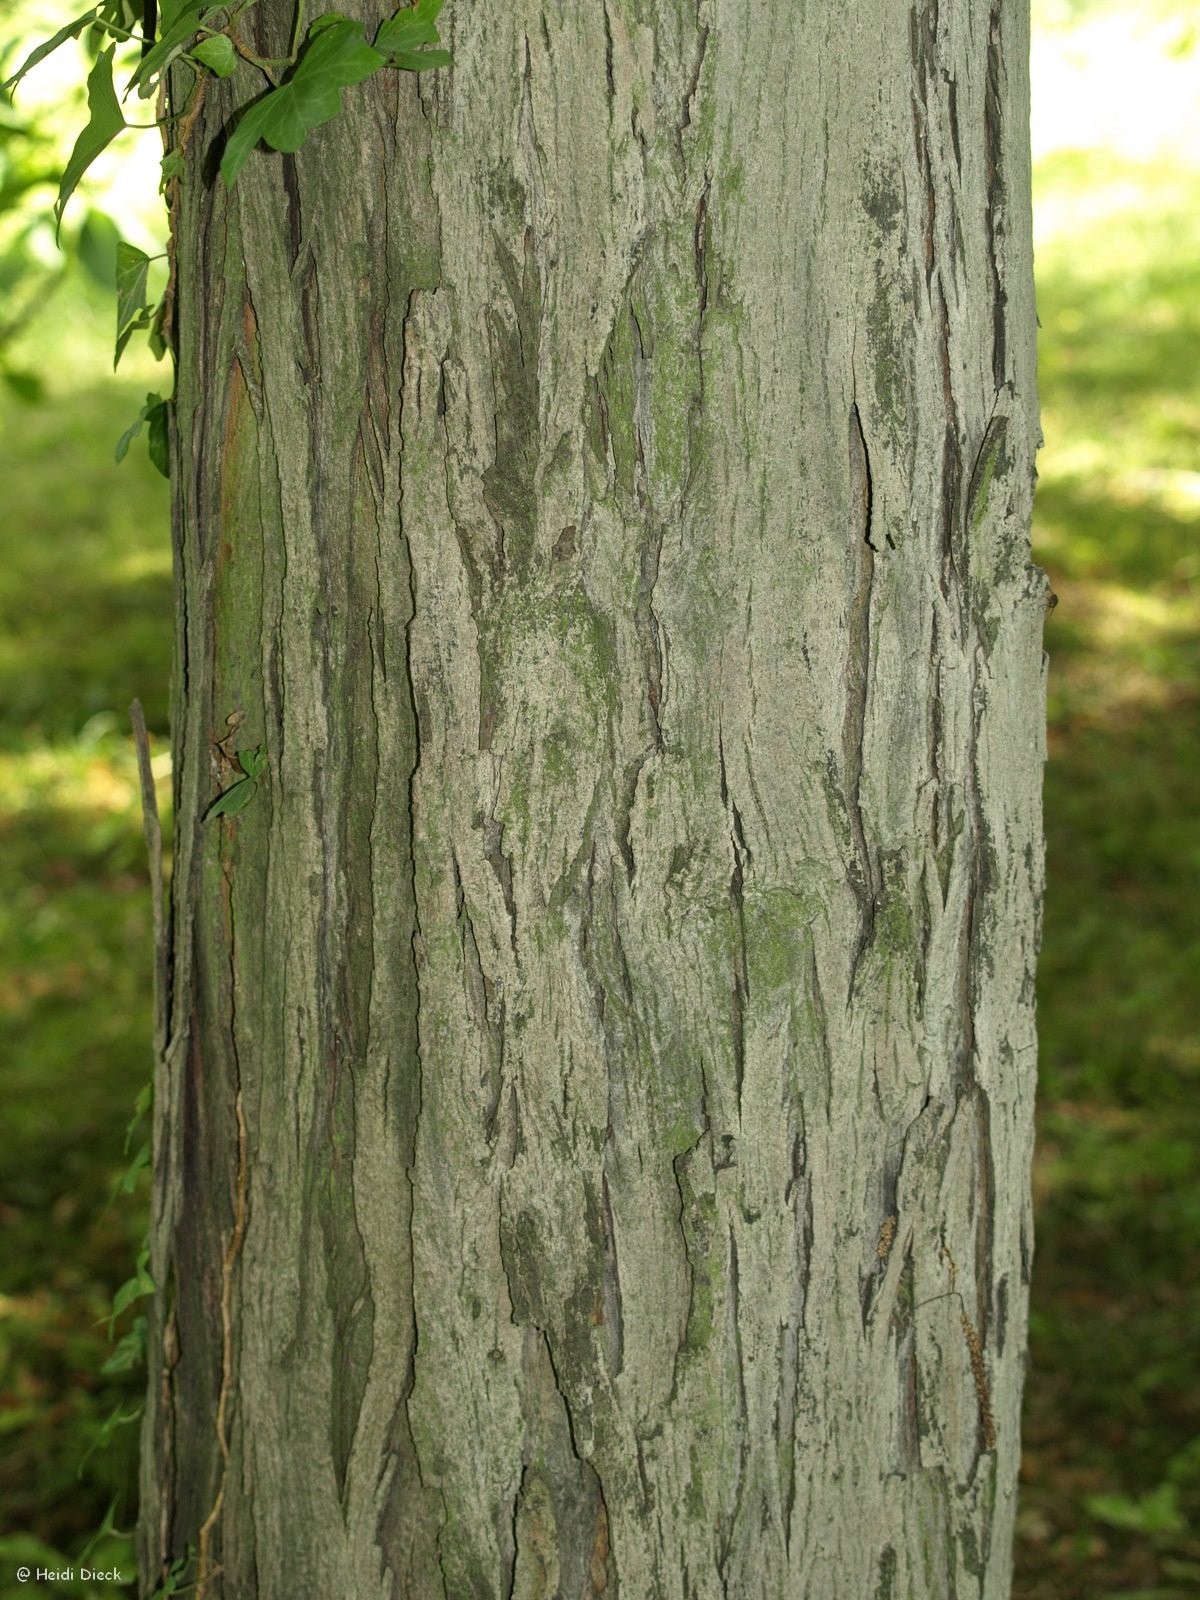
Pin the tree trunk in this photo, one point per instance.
(595, 1105)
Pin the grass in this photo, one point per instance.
(1111, 1468)
(84, 626)
(1111, 1476)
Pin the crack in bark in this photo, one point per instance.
(608, 62)
(486, 1010)
(416, 944)
(786, 1395)
(501, 865)
(923, 48)
(740, 993)
(685, 109)
(727, 1535)
(678, 1165)
(862, 869)
(992, 146)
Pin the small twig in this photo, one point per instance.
(298, 29)
(152, 831)
(265, 64)
(982, 1392)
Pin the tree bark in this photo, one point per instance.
(594, 1111)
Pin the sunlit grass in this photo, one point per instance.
(1111, 1475)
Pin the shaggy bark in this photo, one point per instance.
(594, 1111)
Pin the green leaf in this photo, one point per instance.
(335, 55)
(130, 1352)
(135, 1288)
(410, 27)
(127, 1182)
(232, 800)
(108, 1528)
(106, 1430)
(252, 762)
(141, 1105)
(155, 338)
(105, 122)
(169, 12)
(217, 54)
(172, 167)
(159, 438)
(124, 337)
(71, 31)
(133, 265)
(173, 1583)
(180, 23)
(135, 427)
(420, 60)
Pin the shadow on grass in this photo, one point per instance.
(1110, 1498)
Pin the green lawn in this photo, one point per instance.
(1111, 1491)
(1111, 1479)
(85, 573)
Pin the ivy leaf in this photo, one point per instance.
(179, 25)
(105, 122)
(420, 60)
(411, 26)
(71, 31)
(133, 265)
(336, 54)
(127, 1182)
(130, 1353)
(155, 413)
(117, 1419)
(108, 1528)
(172, 167)
(140, 1107)
(156, 338)
(134, 428)
(234, 799)
(169, 11)
(252, 762)
(326, 20)
(217, 54)
(158, 439)
(401, 36)
(135, 1288)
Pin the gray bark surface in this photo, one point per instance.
(594, 1112)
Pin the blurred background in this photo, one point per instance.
(1110, 1500)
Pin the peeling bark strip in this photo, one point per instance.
(594, 1115)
